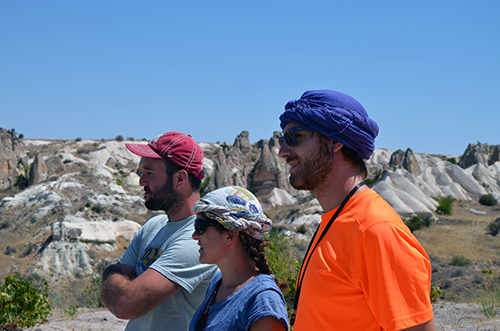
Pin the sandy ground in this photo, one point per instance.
(463, 317)
(87, 321)
(447, 317)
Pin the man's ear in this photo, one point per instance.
(337, 146)
(180, 178)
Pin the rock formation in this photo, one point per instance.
(54, 165)
(38, 170)
(406, 160)
(65, 252)
(256, 167)
(11, 151)
(481, 153)
(270, 171)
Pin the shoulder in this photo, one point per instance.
(267, 300)
(266, 285)
(369, 209)
(155, 223)
(266, 280)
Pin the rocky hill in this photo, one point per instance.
(69, 204)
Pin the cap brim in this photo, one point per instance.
(143, 150)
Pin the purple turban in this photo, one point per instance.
(337, 116)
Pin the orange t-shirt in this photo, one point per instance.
(368, 273)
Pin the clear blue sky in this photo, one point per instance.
(427, 71)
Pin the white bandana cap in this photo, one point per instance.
(236, 209)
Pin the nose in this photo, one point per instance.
(285, 150)
(142, 180)
(195, 236)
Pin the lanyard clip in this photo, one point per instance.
(292, 318)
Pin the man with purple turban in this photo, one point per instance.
(364, 269)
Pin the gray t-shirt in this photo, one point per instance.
(168, 248)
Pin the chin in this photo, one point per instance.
(204, 261)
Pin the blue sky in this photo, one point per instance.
(427, 71)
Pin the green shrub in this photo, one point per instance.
(119, 181)
(24, 300)
(369, 182)
(487, 200)
(490, 299)
(90, 297)
(4, 224)
(418, 221)
(436, 292)
(460, 261)
(204, 185)
(445, 204)
(284, 261)
(301, 229)
(493, 228)
(119, 138)
(98, 208)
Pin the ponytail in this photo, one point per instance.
(255, 250)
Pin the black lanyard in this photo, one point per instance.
(304, 266)
(202, 321)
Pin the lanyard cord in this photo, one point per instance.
(202, 321)
(304, 266)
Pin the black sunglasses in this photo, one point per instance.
(289, 135)
(200, 226)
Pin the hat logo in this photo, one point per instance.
(155, 139)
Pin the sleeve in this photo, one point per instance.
(131, 254)
(179, 262)
(269, 302)
(394, 273)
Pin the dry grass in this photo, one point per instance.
(463, 233)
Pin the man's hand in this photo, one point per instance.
(128, 297)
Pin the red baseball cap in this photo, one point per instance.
(178, 148)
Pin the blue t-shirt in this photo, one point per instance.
(259, 298)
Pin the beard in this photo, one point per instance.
(312, 169)
(165, 199)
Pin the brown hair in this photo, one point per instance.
(255, 250)
(173, 168)
(348, 154)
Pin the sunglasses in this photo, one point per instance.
(289, 135)
(201, 225)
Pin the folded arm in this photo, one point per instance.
(128, 297)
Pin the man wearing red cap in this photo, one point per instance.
(158, 282)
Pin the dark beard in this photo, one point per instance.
(165, 199)
(312, 171)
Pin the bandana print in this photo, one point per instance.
(235, 208)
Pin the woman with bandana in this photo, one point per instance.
(244, 294)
